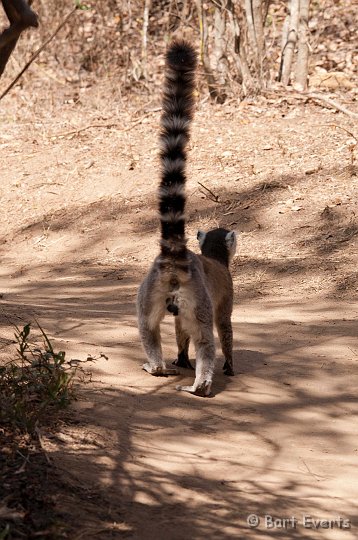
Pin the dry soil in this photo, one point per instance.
(79, 228)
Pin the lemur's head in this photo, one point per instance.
(219, 244)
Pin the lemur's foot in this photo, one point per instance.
(160, 371)
(203, 389)
(183, 361)
(228, 369)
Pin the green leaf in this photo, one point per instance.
(82, 7)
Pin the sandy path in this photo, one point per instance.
(140, 460)
(277, 439)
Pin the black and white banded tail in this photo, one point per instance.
(178, 106)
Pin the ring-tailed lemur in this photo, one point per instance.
(196, 289)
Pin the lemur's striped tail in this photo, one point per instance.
(178, 106)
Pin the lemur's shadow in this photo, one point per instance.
(245, 362)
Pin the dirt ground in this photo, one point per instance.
(137, 459)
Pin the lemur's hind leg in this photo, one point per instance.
(224, 328)
(149, 320)
(204, 369)
(183, 340)
(152, 346)
(203, 338)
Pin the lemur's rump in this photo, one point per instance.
(196, 289)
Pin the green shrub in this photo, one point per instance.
(37, 383)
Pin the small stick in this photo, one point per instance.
(341, 127)
(351, 147)
(215, 197)
(78, 130)
(42, 444)
(330, 102)
(39, 50)
(318, 97)
(128, 128)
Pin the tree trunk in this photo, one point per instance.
(146, 10)
(250, 24)
(259, 36)
(240, 50)
(301, 71)
(289, 47)
(204, 55)
(220, 47)
(255, 16)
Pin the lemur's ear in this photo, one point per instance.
(230, 240)
(201, 235)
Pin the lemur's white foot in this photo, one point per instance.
(203, 389)
(160, 371)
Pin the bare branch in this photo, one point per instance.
(331, 103)
(20, 16)
(20, 11)
(39, 50)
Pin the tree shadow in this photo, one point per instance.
(154, 486)
(143, 461)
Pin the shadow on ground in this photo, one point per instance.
(140, 460)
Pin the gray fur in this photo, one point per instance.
(220, 287)
(205, 297)
(195, 319)
(230, 240)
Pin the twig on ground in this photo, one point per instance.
(321, 98)
(352, 146)
(214, 198)
(108, 126)
(41, 441)
(317, 477)
(79, 130)
(328, 101)
(343, 128)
